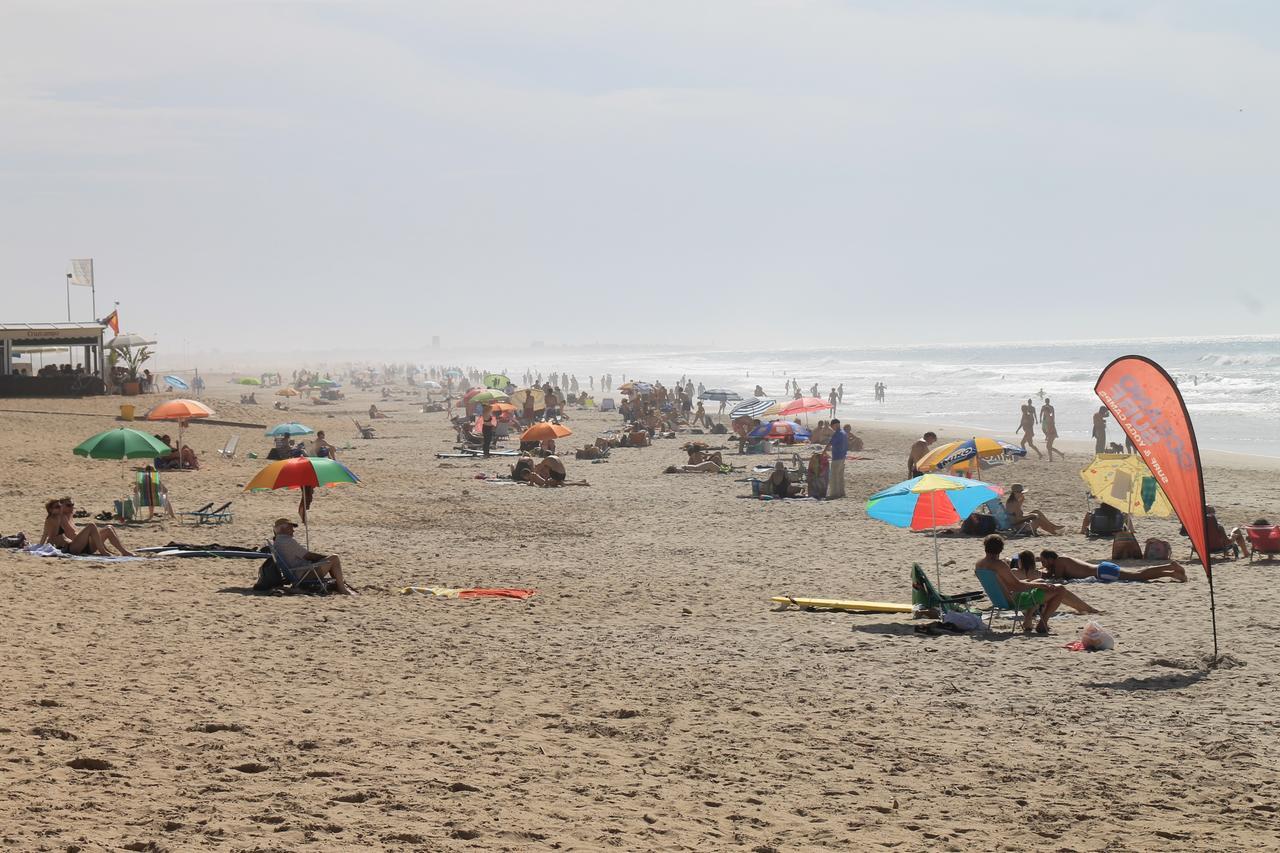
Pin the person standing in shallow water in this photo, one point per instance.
(1027, 426)
(1049, 425)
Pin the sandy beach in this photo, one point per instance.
(649, 697)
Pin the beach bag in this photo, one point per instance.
(1095, 638)
(269, 576)
(1125, 547)
(1157, 549)
(978, 524)
(1106, 520)
(17, 540)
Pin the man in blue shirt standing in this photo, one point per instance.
(839, 447)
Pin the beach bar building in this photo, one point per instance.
(85, 364)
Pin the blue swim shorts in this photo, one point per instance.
(1108, 572)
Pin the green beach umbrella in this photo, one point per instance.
(249, 380)
(496, 380)
(290, 429)
(484, 398)
(122, 443)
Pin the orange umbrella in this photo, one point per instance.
(545, 430)
(181, 410)
(501, 408)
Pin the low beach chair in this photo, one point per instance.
(1004, 521)
(305, 578)
(365, 431)
(207, 515)
(1264, 542)
(229, 449)
(925, 596)
(999, 601)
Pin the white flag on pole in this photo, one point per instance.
(82, 272)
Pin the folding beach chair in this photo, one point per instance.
(229, 449)
(999, 601)
(924, 596)
(305, 578)
(365, 431)
(1264, 542)
(1004, 521)
(207, 515)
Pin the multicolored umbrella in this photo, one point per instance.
(544, 431)
(960, 455)
(292, 428)
(928, 502)
(804, 405)
(302, 472)
(780, 429)
(1124, 482)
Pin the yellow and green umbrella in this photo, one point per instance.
(496, 380)
(1124, 482)
(960, 455)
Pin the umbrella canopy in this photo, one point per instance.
(803, 406)
(930, 501)
(122, 443)
(432, 385)
(454, 372)
(248, 380)
(780, 429)
(179, 410)
(539, 398)
(323, 383)
(287, 392)
(721, 394)
(483, 397)
(128, 341)
(756, 407)
(176, 383)
(636, 388)
(960, 454)
(290, 429)
(301, 471)
(1125, 482)
(502, 408)
(496, 380)
(545, 430)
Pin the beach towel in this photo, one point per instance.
(473, 592)
(48, 550)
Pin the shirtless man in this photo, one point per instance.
(1023, 567)
(1100, 430)
(1056, 566)
(918, 451)
(1027, 426)
(1031, 597)
(1049, 424)
(323, 447)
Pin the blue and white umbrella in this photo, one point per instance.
(756, 407)
(176, 383)
(720, 394)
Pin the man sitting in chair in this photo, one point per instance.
(304, 564)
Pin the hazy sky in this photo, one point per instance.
(265, 175)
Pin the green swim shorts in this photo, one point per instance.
(1029, 599)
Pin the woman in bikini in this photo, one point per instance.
(105, 534)
(86, 541)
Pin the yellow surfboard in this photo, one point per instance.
(841, 604)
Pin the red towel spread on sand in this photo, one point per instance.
(479, 592)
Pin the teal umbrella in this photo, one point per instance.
(290, 429)
(122, 443)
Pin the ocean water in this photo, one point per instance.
(1230, 384)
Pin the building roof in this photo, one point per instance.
(67, 334)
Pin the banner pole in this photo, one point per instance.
(1213, 618)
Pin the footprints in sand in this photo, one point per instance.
(90, 764)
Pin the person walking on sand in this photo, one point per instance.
(1100, 430)
(1027, 426)
(839, 449)
(1049, 424)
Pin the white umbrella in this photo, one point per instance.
(128, 340)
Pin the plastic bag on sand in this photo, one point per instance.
(1095, 638)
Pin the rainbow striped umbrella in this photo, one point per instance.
(302, 472)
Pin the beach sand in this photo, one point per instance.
(648, 698)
